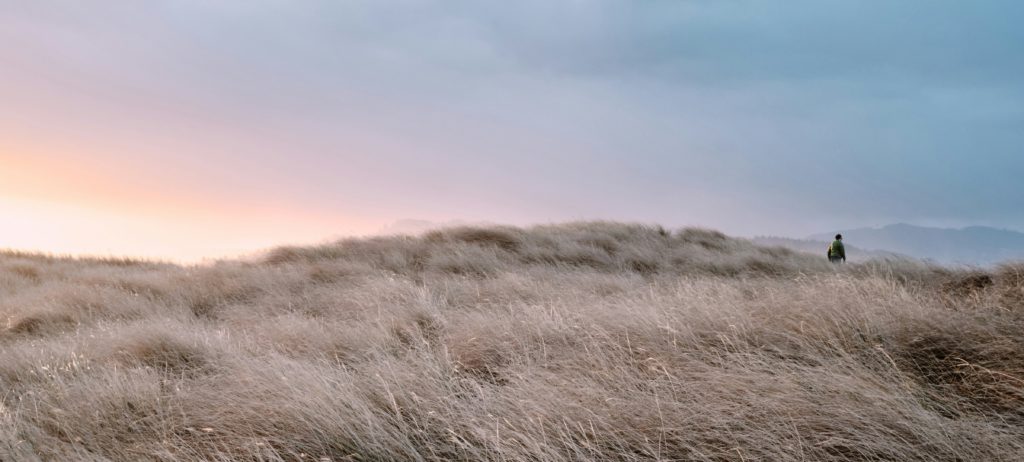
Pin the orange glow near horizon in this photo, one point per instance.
(51, 204)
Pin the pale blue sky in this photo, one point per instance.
(755, 117)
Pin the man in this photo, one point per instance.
(836, 251)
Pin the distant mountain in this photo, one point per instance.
(974, 245)
(818, 247)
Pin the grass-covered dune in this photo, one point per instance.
(587, 341)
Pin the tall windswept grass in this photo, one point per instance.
(583, 341)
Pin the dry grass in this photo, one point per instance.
(587, 341)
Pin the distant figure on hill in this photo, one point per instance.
(836, 251)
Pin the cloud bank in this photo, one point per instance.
(756, 117)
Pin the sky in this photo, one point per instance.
(190, 129)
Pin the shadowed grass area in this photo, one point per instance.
(584, 341)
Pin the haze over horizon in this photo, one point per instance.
(186, 129)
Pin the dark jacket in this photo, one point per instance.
(836, 250)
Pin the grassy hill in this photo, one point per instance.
(818, 248)
(587, 341)
(973, 245)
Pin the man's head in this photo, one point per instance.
(839, 237)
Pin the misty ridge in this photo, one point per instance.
(969, 246)
(590, 341)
